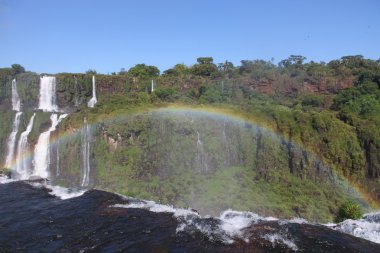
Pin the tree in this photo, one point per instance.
(205, 67)
(205, 60)
(91, 72)
(178, 69)
(292, 60)
(18, 68)
(226, 68)
(143, 71)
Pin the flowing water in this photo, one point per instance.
(22, 166)
(12, 140)
(201, 158)
(97, 221)
(42, 149)
(85, 150)
(16, 103)
(47, 99)
(152, 86)
(93, 100)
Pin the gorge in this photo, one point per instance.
(195, 148)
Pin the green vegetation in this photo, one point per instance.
(331, 110)
(349, 210)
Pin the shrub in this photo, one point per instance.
(349, 210)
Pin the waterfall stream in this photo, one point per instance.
(85, 154)
(42, 149)
(16, 103)
(153, 85)
(12, 141)
(201, 156)
(93, 100)
(22, 151)
(47, 99)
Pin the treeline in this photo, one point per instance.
(332, 108)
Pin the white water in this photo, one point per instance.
(47, 100)
(59, 191)
(22, 151)
(368, 227)
(231, 223)
(16, 103)
(85, 154)
(277, 238)
(42, 149)
(152, 88)
(93, 100)
(201, 158)
(12, 141)
(57, 171)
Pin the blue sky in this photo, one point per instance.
(77, 35)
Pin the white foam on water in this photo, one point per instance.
(225, 228)
(233, 221)
(296, 220)
(280, 239)
(368, 227)
(59, 191)
(63, 192)
(157, 208)
(5, 180)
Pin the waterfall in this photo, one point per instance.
(57, 172)
(85, 154)
(12, 141)
(225, 144)
(93, 100)
(201, 156)
(47, 101)
(152, 88)
(77, 102)
(42, 149)
(16, 103)
(22, 154)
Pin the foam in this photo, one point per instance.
(368, 227)
(5, 180)
(59, 191)
(280, 239)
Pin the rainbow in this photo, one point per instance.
(219, 112)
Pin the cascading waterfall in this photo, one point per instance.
(16, 103)
(225, 144)
(76, 102)
(201, 156)
(42, 149)
(22, 154)
(57, 171)
(85, 154)
(152, 86)
(47, 100)
(12, 141)
(93, 100)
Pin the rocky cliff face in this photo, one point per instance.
(190, 160)
(207, 162)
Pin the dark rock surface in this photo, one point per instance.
(31, 220)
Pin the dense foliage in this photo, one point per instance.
(332, 109)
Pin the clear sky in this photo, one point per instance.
(77, 35)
